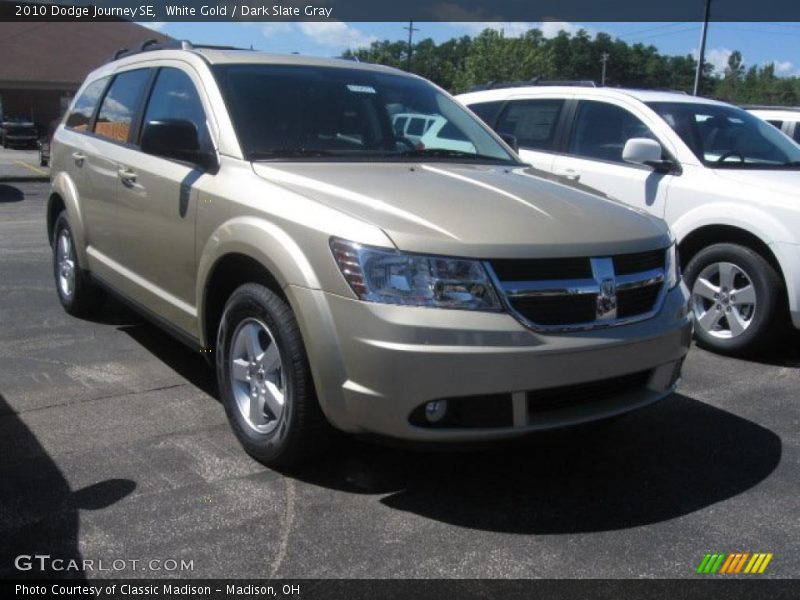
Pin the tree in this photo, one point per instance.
(461, 63)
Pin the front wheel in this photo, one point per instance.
(77, 294)
(736, 296)
(265, 380)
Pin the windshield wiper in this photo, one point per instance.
(288, 153)
(447, 153)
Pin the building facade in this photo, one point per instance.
(43, 64)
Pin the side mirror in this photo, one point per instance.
(644, 151)
(177, 139)
(511, 140)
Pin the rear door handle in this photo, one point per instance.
(78, 157)
(570, 174)
(127, 176)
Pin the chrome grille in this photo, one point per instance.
(581, 293)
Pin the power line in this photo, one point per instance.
(777, 24)
(750, 30)
(690, 27)
(646, 29)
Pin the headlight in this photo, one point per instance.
(393, 277)
(673, 267)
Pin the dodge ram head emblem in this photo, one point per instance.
(607, 299)
(603, 273)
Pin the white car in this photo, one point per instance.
(727, 182)
(443, 134)
(412, 126)
(787, 119)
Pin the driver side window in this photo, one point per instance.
(175, 97)
(602, 129)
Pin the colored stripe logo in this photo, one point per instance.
(734, 563)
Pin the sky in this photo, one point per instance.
(759, 43)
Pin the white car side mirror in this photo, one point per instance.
(641, 151)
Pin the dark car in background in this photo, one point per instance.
(18, 134)
(44, 143)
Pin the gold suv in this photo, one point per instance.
(342, 272)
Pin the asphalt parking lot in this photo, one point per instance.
(19, 163)
(113, 446)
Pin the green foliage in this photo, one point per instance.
(461, 63)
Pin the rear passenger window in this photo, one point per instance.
(399, 125)
(601, 130)
(83, 109)
(174, 96)
(532, 122)
(120, 104)
(487, 111)
(451, 132)
(416, 127)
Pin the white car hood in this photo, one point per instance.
(785, 182)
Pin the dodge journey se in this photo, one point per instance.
(270, 212)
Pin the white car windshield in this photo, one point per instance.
(726, 137)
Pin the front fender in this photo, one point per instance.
(64, 187)
(262, 241)
(758, 222)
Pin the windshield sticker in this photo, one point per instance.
(361, 89)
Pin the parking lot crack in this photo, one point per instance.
(95, 399)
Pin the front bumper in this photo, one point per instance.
(20, 141)
(374, 364)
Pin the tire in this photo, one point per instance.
(270, 401)
(729, 323)
(77, 294)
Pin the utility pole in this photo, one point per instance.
(603, 60)
(702, 56)
(411, 30)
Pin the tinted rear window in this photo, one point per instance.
(118, 107)
(487, 111)
(532, 122)
(84, 106)
(416, 127)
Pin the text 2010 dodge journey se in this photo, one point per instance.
(265, 210)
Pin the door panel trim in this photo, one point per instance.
(142, 282)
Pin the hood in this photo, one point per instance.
(472, 210)
(779, 181)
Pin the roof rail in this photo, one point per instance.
(535, 81)
(649, 89)
(769, 107)
(153, 44)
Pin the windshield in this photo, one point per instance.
(729, 137)
(328, 113)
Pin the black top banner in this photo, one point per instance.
(405, 10)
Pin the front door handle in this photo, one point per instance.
(127, 176)
(78, 157)
(570, 174)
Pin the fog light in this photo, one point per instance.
(435, 411)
